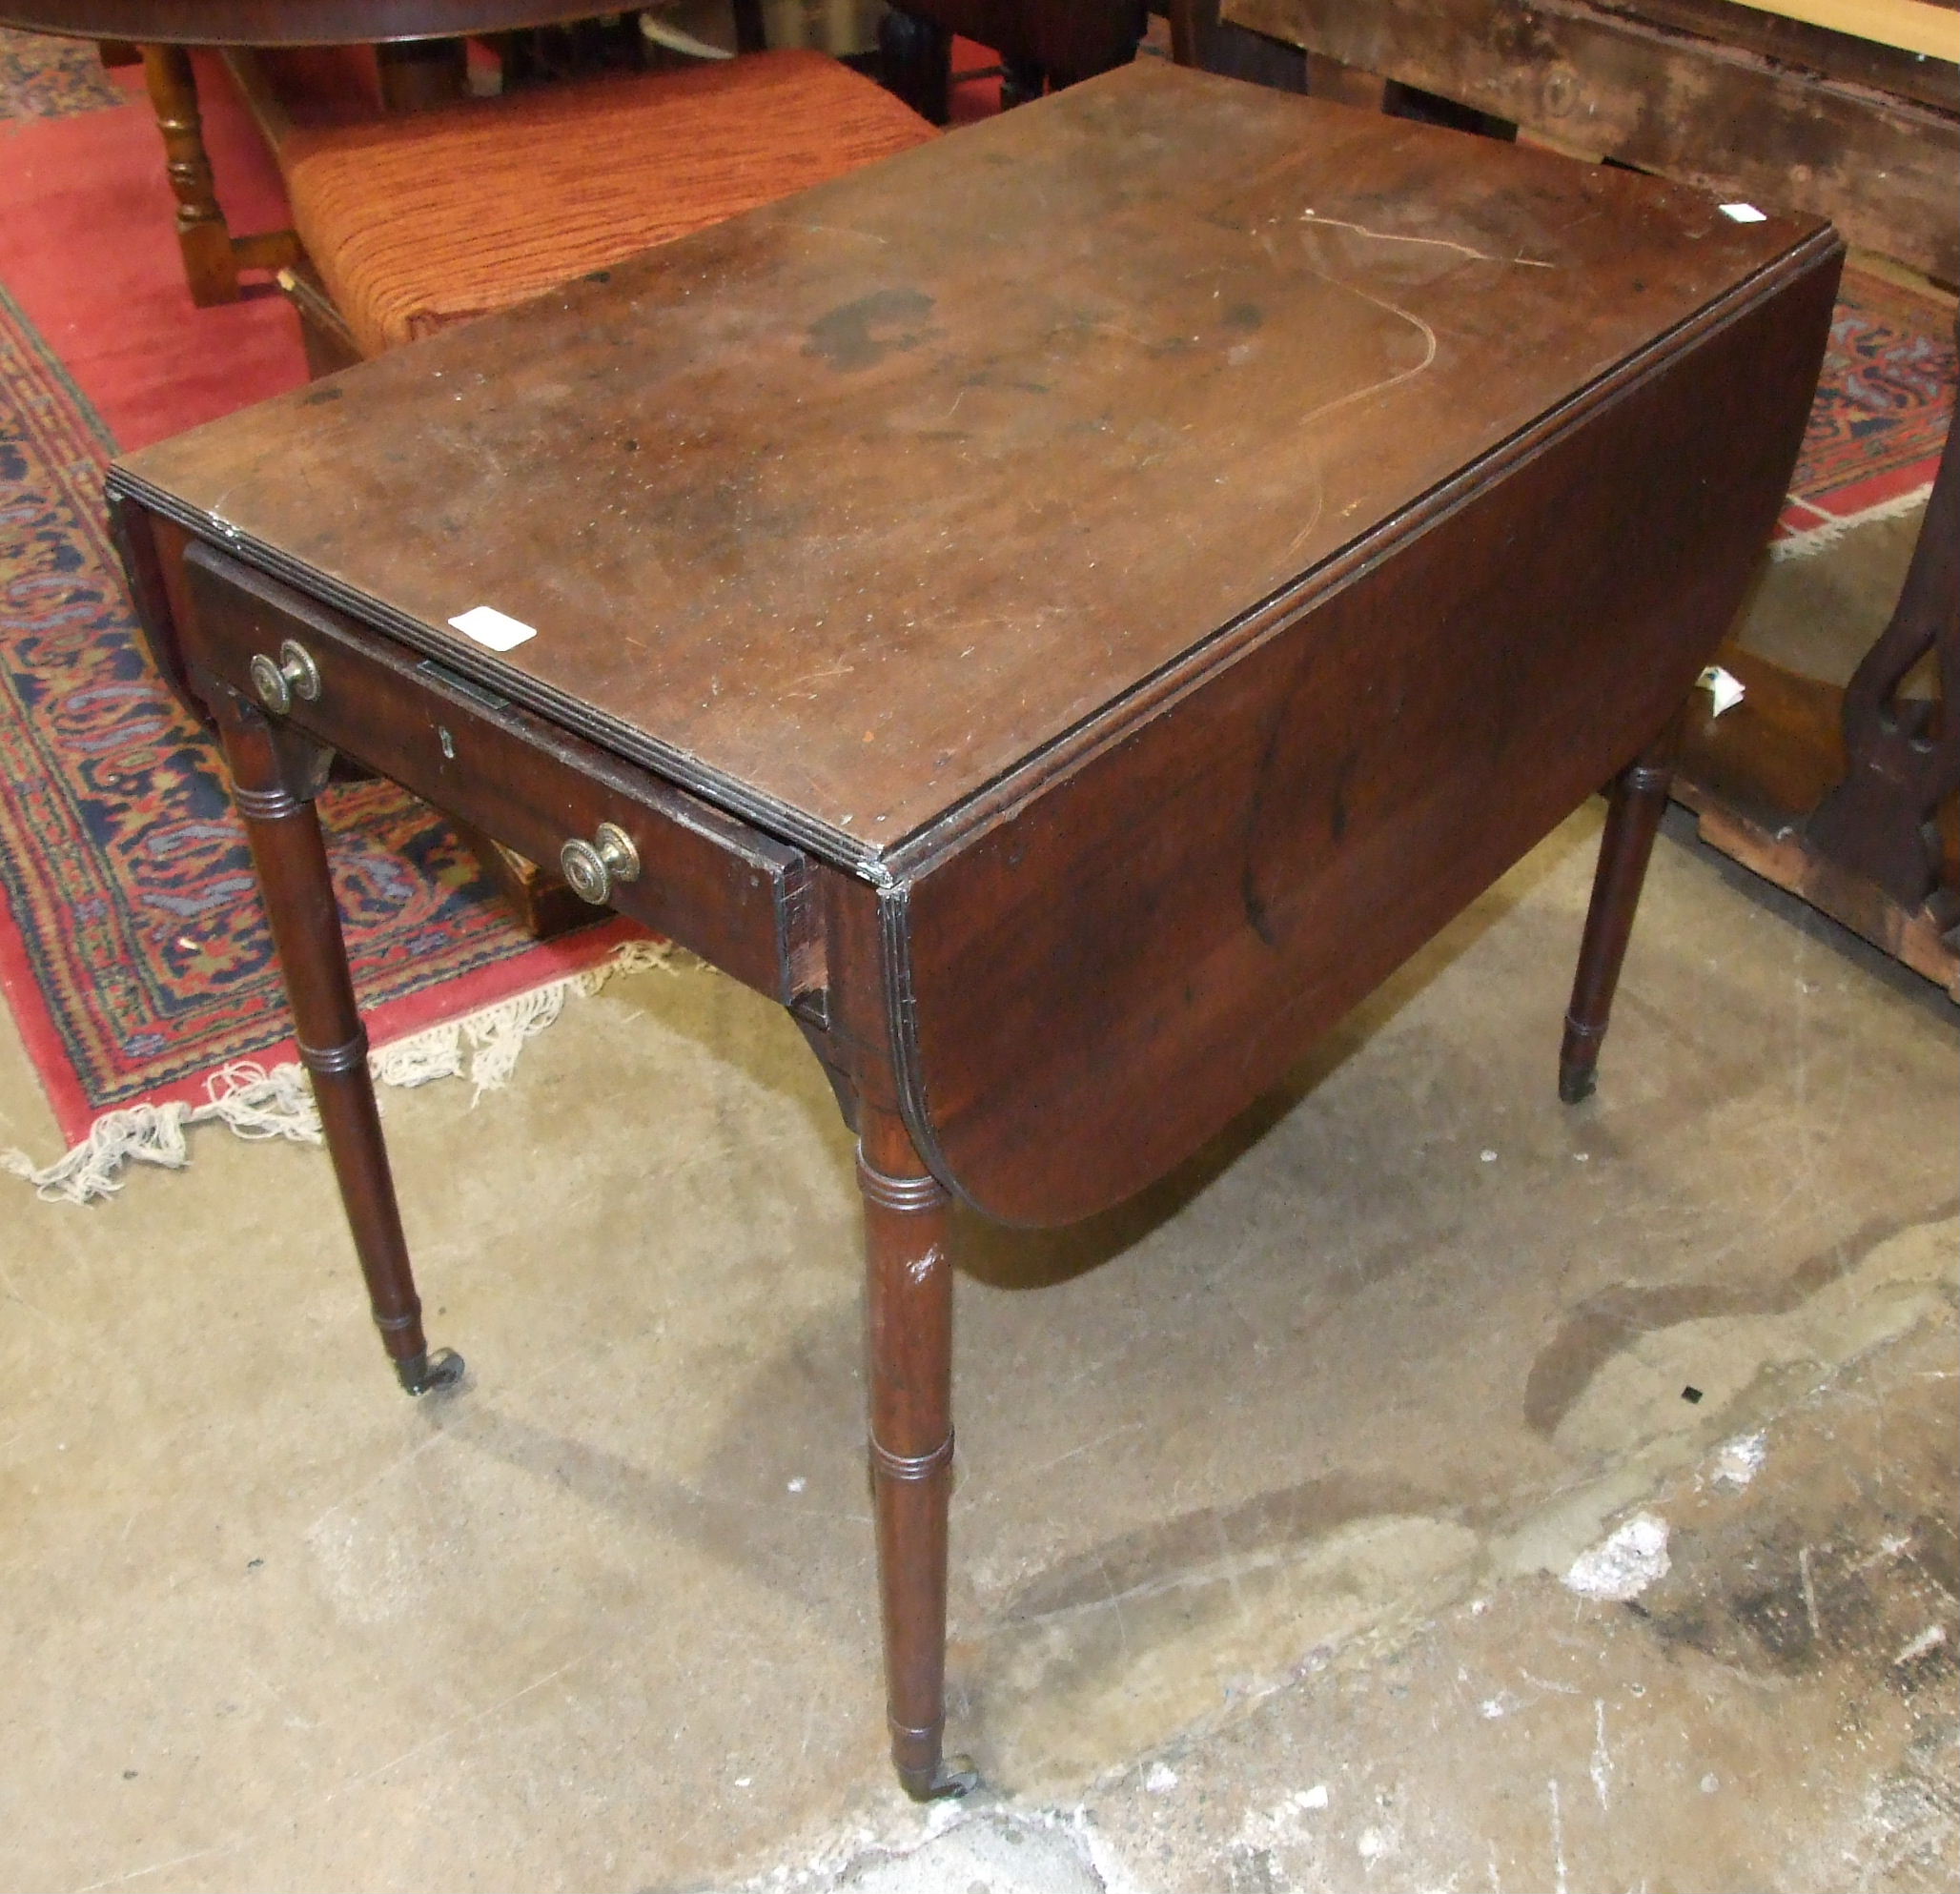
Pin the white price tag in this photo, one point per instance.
(493, 628)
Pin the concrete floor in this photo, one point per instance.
(1267, 1483)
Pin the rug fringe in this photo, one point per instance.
(1819, 539)
(276, 1101)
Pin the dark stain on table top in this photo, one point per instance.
(847, 510)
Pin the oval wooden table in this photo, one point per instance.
(415, 38)
(1066, 611)
(166, 30)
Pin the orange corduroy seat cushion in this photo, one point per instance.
(432, 217)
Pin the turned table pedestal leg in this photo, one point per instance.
(275, 778)
(909, 1319)
(1633, 816)
(212, 255)
(211, 265)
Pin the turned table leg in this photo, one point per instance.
(909, 1317)
(1633, 816)
(275, 778)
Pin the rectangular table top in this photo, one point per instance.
(846, 511)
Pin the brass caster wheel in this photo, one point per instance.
(430, 1374)
(951, 1777)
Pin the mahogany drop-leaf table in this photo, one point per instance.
(1066, 612)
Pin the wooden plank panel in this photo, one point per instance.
(1813, 49)
(1913, 26)
(1717, 117)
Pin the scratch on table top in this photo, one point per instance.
(1381, 387)
(1317, 505)
(1435, 243)
(1249, 187)
(842, 229)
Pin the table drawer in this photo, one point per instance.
(736, 897)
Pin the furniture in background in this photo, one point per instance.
(407, 223)
(1201, 37)
(419, 46)
(1039, 43)
(167, 30)
(1850, 799)
(1071, 660)
(1737, 100)
(410, 221)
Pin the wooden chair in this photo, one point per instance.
(412, 221)
(1850, 799)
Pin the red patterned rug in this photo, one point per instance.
(1880, 416)
(134, 954)
(136, 959)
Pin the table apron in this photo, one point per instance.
(740, 898)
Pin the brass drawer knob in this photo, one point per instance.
(591, 867)
(279, 680)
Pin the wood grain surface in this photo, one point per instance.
(1116, 968)
(846, 512)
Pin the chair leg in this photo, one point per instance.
(324, 333)
(1021, 83)
(915, 63)
(274, 779)
(908, 1321)
(211, 266)
(751, 29)
(417, 74)
(1633, 816)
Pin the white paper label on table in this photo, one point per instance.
(1744, 214)
(493, 628)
